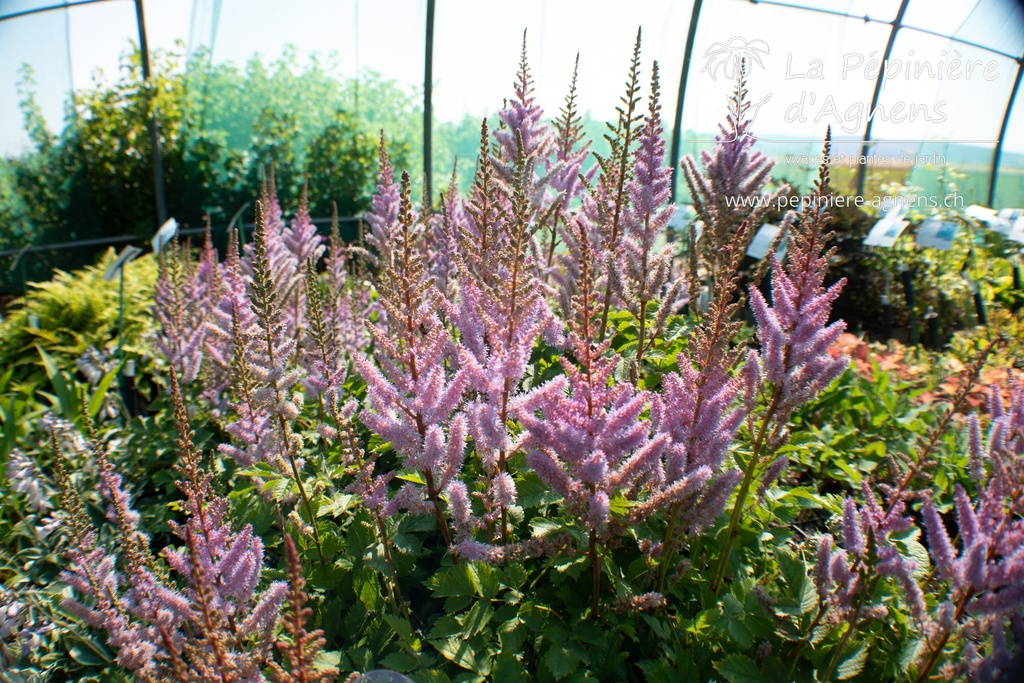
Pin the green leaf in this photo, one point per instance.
(89, 652)
(507, 669)
(400, 661)
(337, 506)
(732, 621)
(560, 662)
(414, 477)
(66, 397)
(853, 665)
(96, 400)
(740, 669)
(457, 651)
(476, 619)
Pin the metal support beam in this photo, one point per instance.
(677, 124)
(428, 92)
(998, 153)
(862, 169)
(870, 20)
(48, 8)
(154, 124)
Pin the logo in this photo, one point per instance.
(734, 57)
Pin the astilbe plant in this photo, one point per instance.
(181, 299)
(305, 244)
(610, 198)
(985, 578)
(795, 335)
(348, 298)
(524, 432)
(643, 276)
(501, 314)
(216, 627)
(302, 649)
(731, 188)
(567, 178)
(524, 140)
(584, 436)
(846, 579)
(411, 394)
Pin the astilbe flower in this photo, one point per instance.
(267, 360)
(986, 576)
(304, 244)
(568, 180)
(642, 275)
(219, 338)
(793, 331)
(604, 202)
(842, 576)
(846, 578)
(608, 200)
(730, 190)
(282, 269)
(794, 364)
(218, 628)
(583, 435)
(411, 393)
(522, 125)
(697, 413)
(501, 314)
(385, 229)
(236, 344)
(349, 299)
(322, 357)
(441, 239)
(301, 651)
(180, 305)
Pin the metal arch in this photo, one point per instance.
(48, 8)
(677, 124)
(897, 24)
(862, 168)
(159, 191)
(869, 20)
(428, 94)
(998, 153)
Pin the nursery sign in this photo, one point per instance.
(885, 233)
(762, 242)
(937, 234)
(996, 222)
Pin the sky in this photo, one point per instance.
(807, 69)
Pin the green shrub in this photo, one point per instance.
(77, 310)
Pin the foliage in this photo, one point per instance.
(77, 310)
(220, 127)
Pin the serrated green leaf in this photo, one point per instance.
(740, 669)
(508, 669)
(560, 662)
(852, 665)
(336, 506)
(457, 651)
(476, 619)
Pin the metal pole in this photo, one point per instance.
(154, 125)
(862, 169)
(677, 125)
(997, 155)
(428, 92)
(120, 317)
